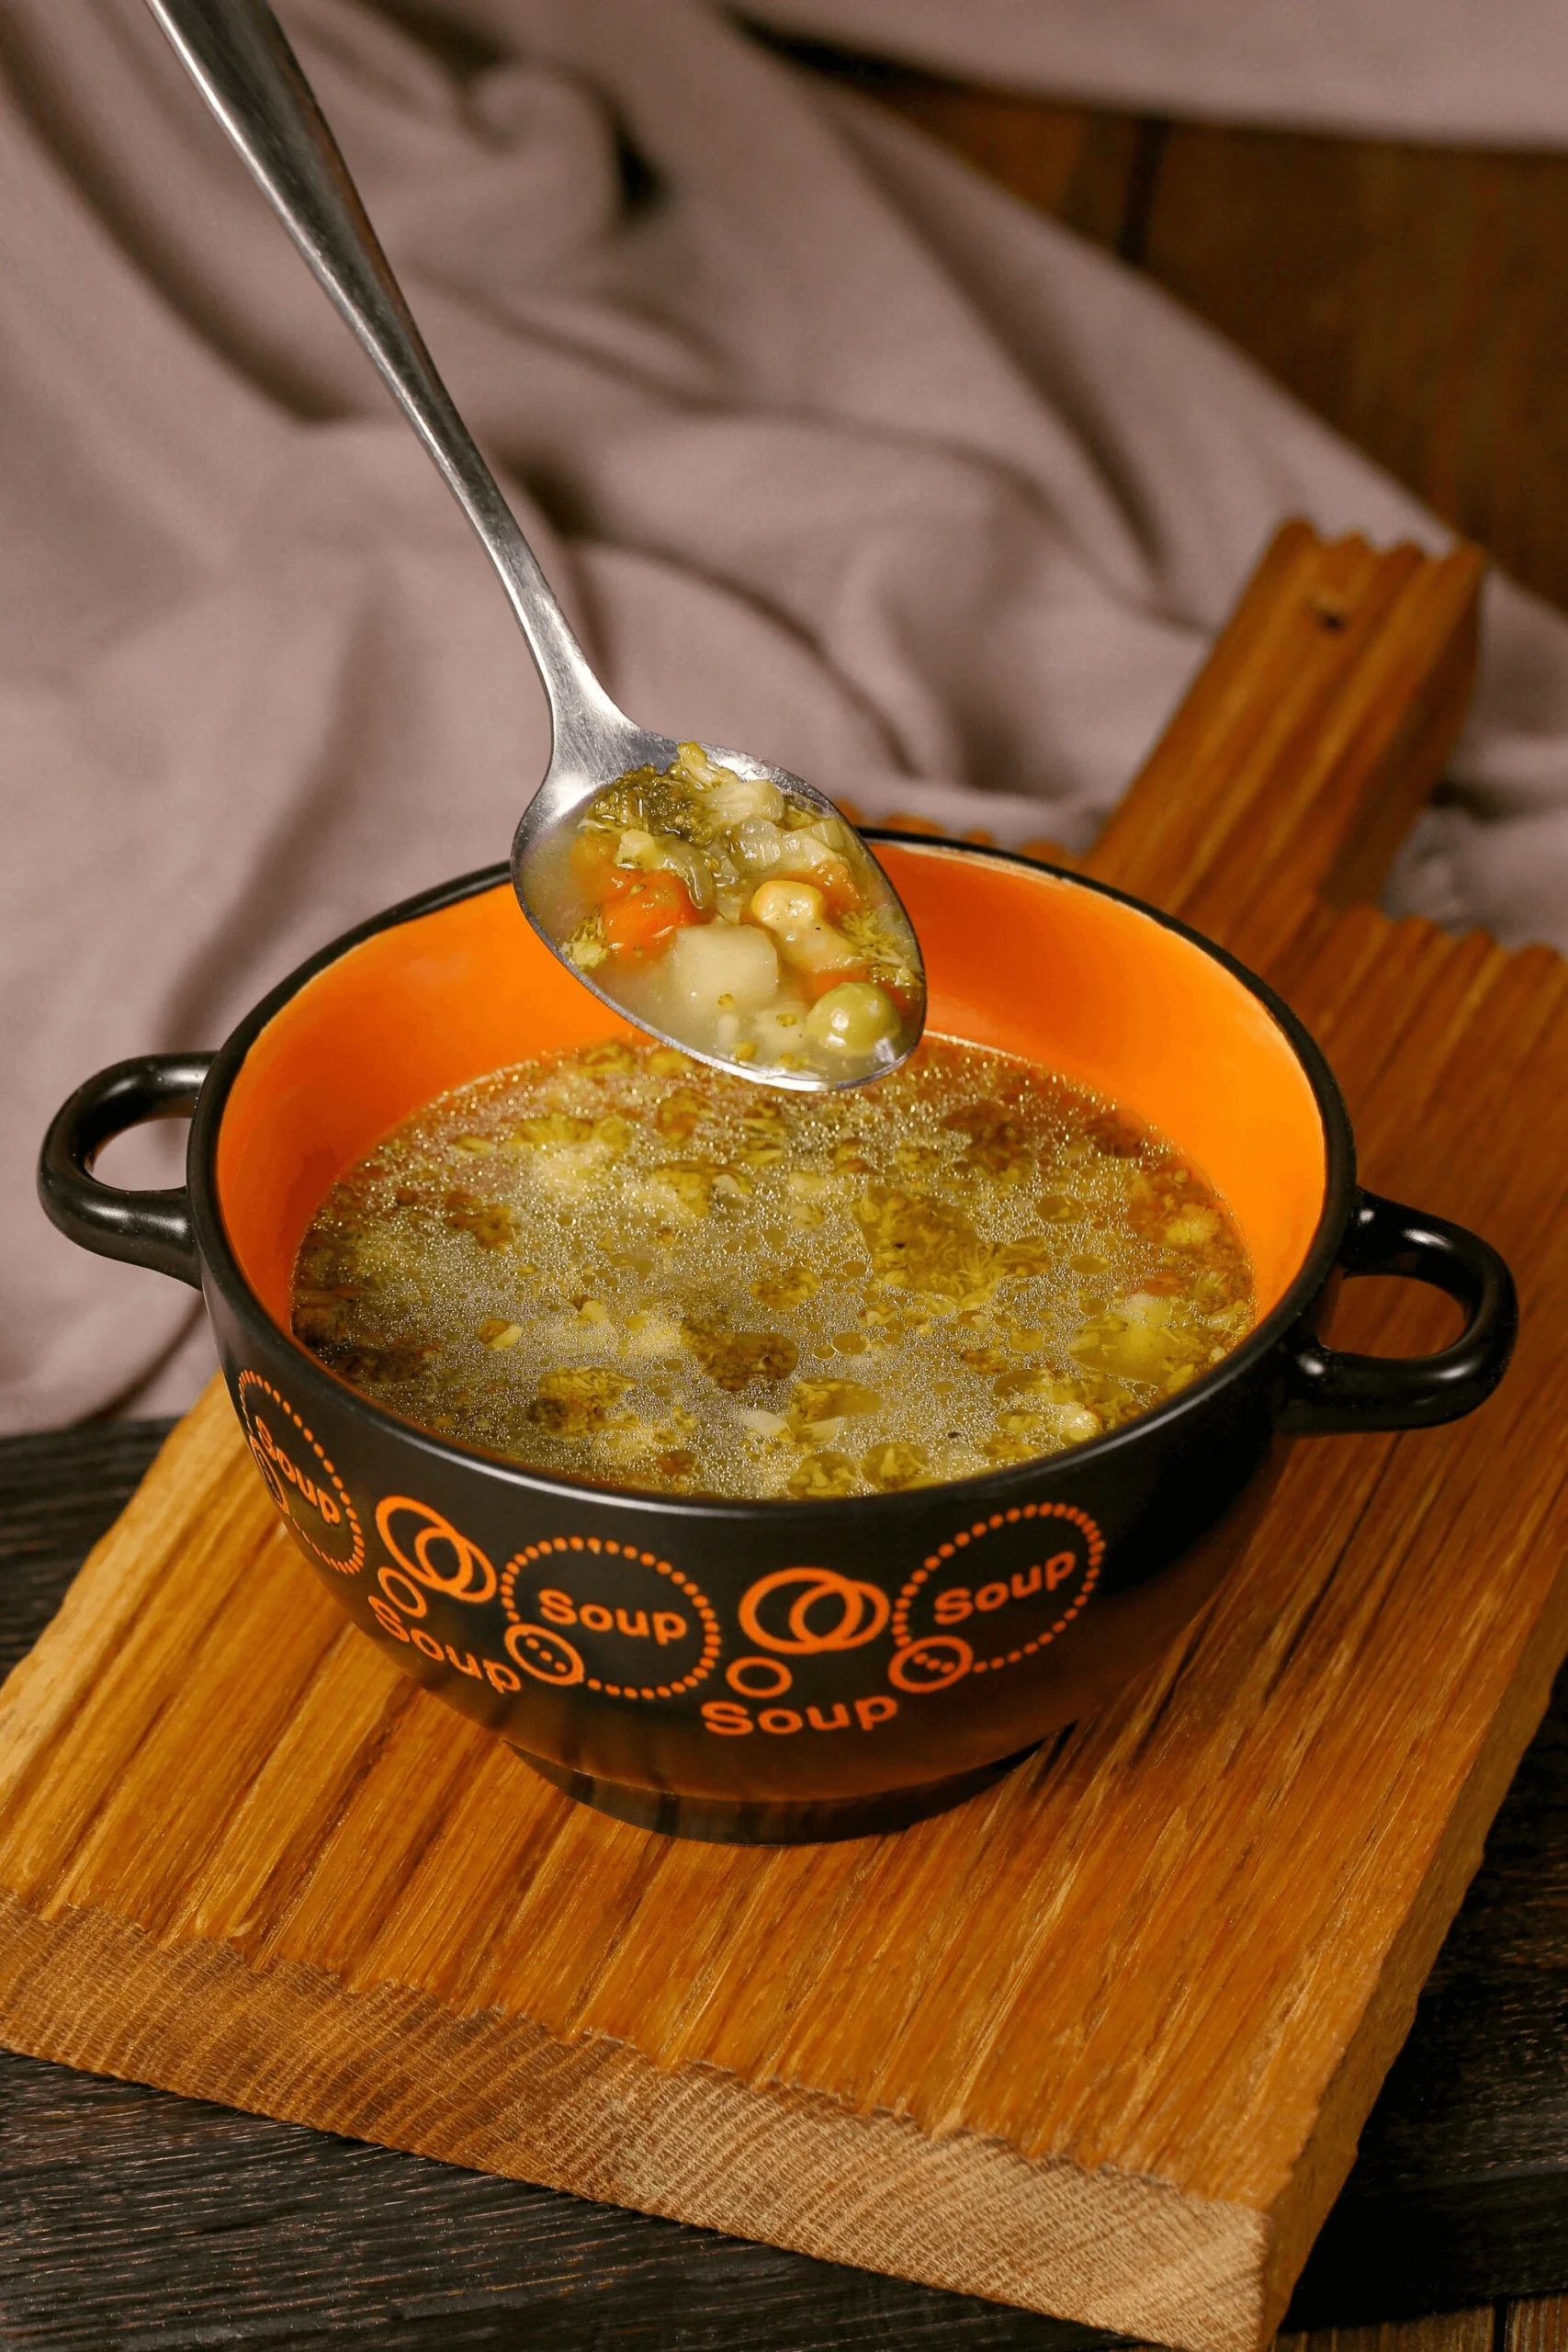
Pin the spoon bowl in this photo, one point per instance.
(236, 53)
(548, 890)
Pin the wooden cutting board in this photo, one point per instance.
(1099, 2042)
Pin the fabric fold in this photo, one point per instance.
(1480, 72)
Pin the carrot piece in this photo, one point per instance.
(840, 891)
(641, 919)
(593, 868)
(817, 984)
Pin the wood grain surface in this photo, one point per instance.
(1539, 2326)
(1099, 2042)
(129, 2216)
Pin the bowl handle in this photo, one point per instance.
(152, 1228)
(1327, 1389)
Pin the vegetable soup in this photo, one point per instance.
(741, 919)
(620, 1266)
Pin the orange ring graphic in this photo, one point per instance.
(473, 1579)
(416, 1605)
(739, 1665)
(355, 1559)
(817, 1584)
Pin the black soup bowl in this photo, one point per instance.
(779, 1670)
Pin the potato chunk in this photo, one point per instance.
(723, 967)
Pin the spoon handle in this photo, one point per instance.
(236, 53)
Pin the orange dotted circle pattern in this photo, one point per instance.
(532, 1553)
(355, 1560)
(914, 1659)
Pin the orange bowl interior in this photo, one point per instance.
(1015, 959)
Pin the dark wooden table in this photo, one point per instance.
(131, 2218)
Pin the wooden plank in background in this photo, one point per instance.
(1410, 295)
(1471, 2330)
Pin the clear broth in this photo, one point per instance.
(620, 1266)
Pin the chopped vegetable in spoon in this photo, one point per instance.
(744, 920)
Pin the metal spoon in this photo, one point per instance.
(236, 53)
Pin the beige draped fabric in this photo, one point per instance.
(832, 450)
(1484, 72)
